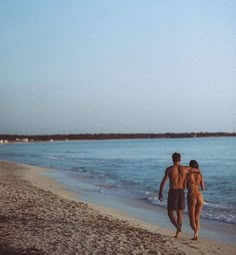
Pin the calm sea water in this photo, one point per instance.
(134, 168)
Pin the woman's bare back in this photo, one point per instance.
(194, 182)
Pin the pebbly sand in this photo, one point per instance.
(38, 216)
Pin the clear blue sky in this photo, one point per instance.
(117, 66)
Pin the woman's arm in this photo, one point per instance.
(202, 184)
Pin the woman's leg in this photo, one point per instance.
(191, 213)
(198, 209)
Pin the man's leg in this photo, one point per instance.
(179, 220)
(180, 217)
(174, 222)
(172, 206)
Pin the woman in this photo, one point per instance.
(195, 199)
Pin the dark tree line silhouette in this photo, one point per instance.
(106, 136)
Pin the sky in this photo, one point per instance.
(128, 66)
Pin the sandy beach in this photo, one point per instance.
(39, 216)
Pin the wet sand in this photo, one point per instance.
(38, 216)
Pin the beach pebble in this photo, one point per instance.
(38, 222)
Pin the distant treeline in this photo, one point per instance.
(101, 136)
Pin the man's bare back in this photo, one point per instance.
(177, 175)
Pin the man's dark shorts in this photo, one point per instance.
(176, 199)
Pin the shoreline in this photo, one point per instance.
(157, 216)
(144, 211)
(44, 217)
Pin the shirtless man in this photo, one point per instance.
(176, 200)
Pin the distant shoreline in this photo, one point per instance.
(5, 138)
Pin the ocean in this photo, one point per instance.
(133, 169)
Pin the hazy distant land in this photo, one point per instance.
(106, 136)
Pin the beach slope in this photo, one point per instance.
(38, 216)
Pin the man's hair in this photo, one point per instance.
(176, 157)
(193, 164)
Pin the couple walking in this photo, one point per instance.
(181, 177)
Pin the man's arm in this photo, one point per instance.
(166, 176)
(189, 169)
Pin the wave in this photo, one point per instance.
(227, 216)
(211, 211)
(219, 206)
(78, 169)
(52, 157)
(69, 152)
